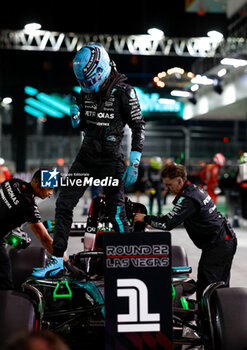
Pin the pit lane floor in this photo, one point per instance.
(179, 237)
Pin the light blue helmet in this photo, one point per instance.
(91, 67)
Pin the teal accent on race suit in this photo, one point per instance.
(119, 222)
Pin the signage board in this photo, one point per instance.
(138, 298)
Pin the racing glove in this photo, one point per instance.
(76, 273)
(131, 173)
(75, 113)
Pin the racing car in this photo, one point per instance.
(75, 309)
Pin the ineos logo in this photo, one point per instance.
(138, 319)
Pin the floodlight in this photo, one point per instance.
(156, 33)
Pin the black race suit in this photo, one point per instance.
(103, 118)
(207, 228)
(98, 214)
(17, 206)
(155, 183)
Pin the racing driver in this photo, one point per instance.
(105, 105)
(206, 226)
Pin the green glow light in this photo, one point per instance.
(31, 91)
(55, 107)
(184, 303)
(54, 102)
(33, 111)
(44, 108)
(13, 240)
(173, 292)
(149, 102)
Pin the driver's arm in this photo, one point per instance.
(41, 233)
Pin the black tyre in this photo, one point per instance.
(17, 314)
(179, 256)
(230, 321)
(23, 262)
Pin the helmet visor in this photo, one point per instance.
(90, 82)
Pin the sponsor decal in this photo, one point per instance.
(132, 93)
(105, 115)
(207, 200)
(11, 194)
